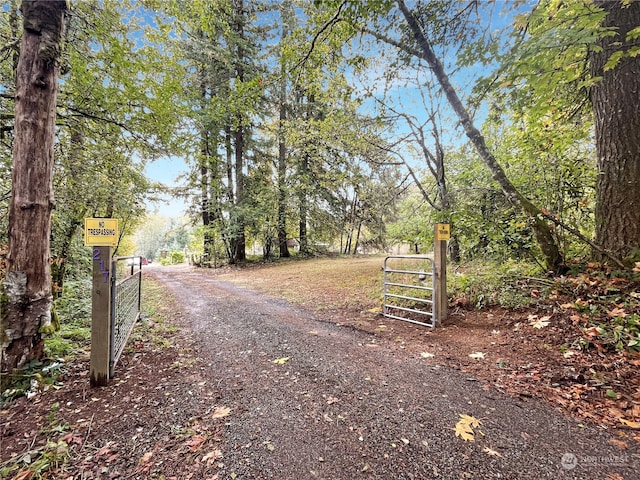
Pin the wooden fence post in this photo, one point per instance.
(100, 317)
(440, 299)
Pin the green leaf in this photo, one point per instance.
(613, 61)
(633, 34)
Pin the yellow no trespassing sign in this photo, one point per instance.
(101, 232)
(443, 231)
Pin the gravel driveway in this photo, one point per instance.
(311, 399)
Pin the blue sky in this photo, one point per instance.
(167, 170)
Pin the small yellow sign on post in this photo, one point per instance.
(443, 232)
(101, 232)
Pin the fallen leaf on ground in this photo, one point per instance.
(195, 442)
(539, 323)
(280, 361)
(491, 452)
(72, 438)
(221, 412)
(617, 312)
(592, 331)
(629, 423)
(145, 458)
(212, 456)
(464, 427)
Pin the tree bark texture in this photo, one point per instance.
(544, 236)
(204, 198)
(282, 193)
(28, 280)
(282, 171)
(303, 205)
(616, 106)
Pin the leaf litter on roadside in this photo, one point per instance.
(221, 412)
(465, 427)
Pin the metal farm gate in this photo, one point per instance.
(409, 285)
(126, 290)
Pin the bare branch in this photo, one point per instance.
(335, 19)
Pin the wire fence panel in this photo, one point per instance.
(125, 307)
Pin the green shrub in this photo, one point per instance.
(484, 284)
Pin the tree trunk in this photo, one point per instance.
(282, 198)
(303, 204)
(239, 250)
(28, 280)
(541, 230)
(357, 243)
(239, 235)
(282, 174)
(282, 146)
(204, 198)
(617, 130)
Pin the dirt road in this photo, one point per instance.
(312, 399)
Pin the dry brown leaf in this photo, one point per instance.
(221, 412)
(491, 452)
(195, 442)
(592, 332)
(539, 322)
(464, 427)
(617, 312)
(145, 458)
(212, 456)
(629, 423)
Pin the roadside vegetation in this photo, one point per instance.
(55, 444)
